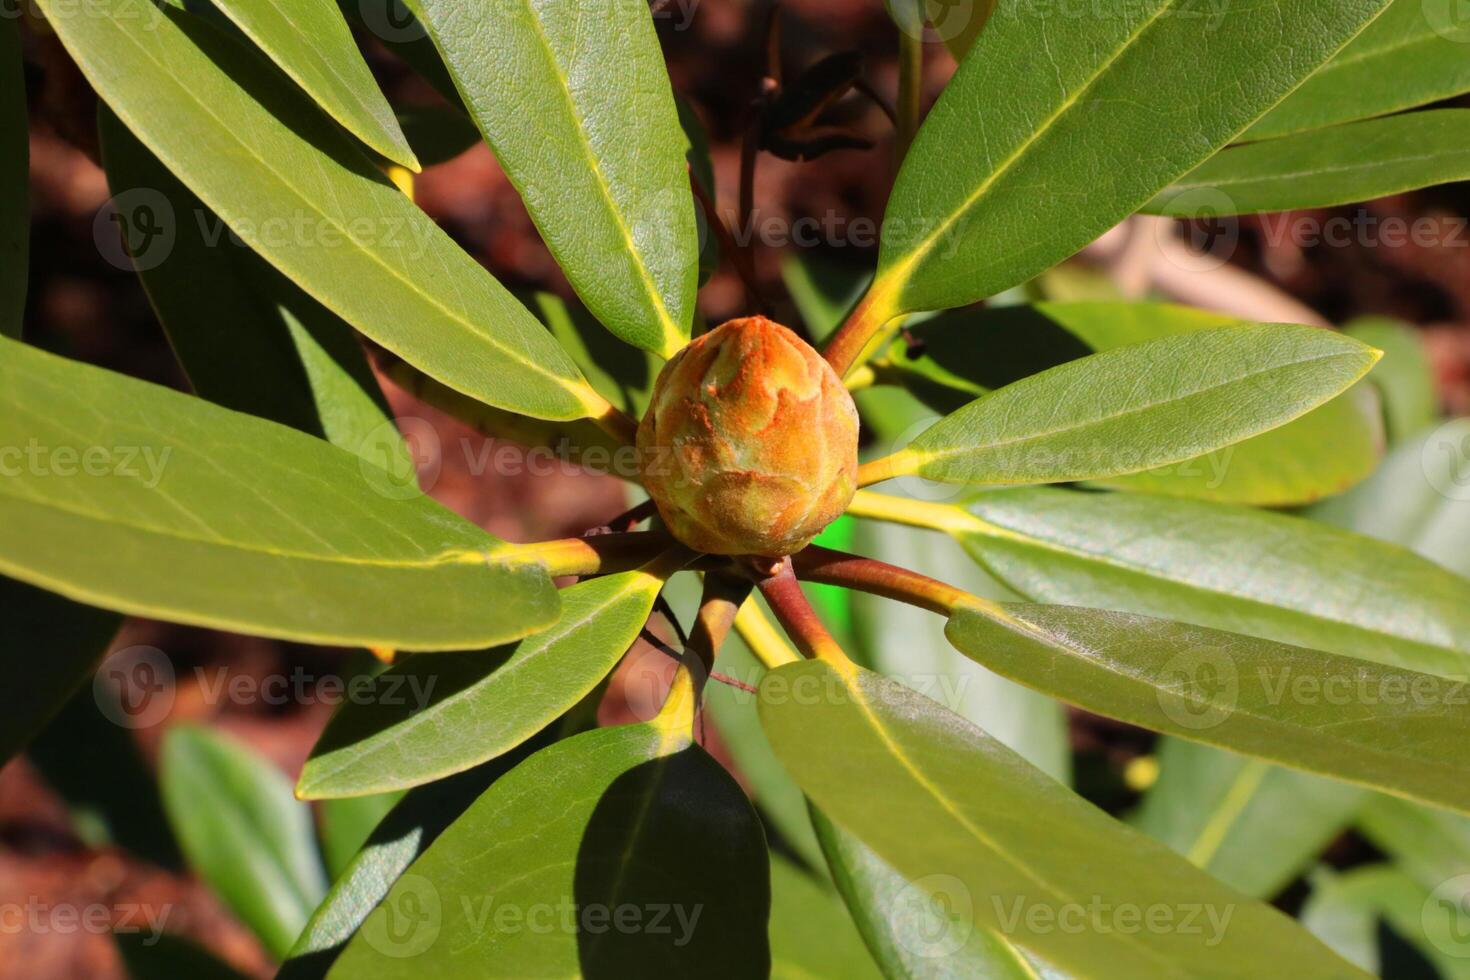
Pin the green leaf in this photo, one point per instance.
(243, 832)
(298, 191)
(1231, 568)
(576, 104)
(530, 881)
(1357, 161)
(1404, 377)
(975, 350)
(912, 931)
(621, 374)
(392, 24)
(995, 189)
(811, 933)
(312, 43)
(1138, 407)
(50, 647)
(432, 716)
(395, 843)
(1430, 845)
(1395, 730)
(961, 815)
(908, 644)
(15, 165)
(266, 348)
(1413, 55)
(346, 826)
(1253, 825)
(138, 499)
(1346, 911)
(1417, 498)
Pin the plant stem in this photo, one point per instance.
(799, 619)
(878, 578)
(599, 554)
(618, 424)
(723, 595)
(761, 635)
(885, 468)
(910, 92)
(861, 334)
(915, 513)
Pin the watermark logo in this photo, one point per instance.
(1450, 19)
(395, 473)
(136, 229)
(1445, 917)
(1446, 460)
(1211, 236)
(134, 687)
(1199, 688)
(408, 922)
(933, 916)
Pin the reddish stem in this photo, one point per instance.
(797, 616)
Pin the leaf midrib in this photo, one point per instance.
(510, 353)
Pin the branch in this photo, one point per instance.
(718, 606)
(598, 554)
(878, 578)
(798, 617)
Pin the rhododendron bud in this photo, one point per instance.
(749, 446)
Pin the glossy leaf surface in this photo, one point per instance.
(575, 101)
(153, 503)
(315, 207)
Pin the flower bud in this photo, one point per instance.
(749, 446)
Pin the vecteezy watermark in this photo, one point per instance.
(97, 918)
(123, 11)
(1353, 687)
(1450, 19)
(1020, 915)
(135, 687)
(1445, 459)
(1445, 917)
(1198, 688)
(37, 459)
(139, 229)
(413, 915)
(933, 917)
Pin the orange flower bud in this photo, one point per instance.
(749, 446)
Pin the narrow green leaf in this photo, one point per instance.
(392, 24)
(1431, 846)
(576, 104)
(1231, 568)
(1395, 730)
(1354, 162)
(912, 931)
(967, 352)
(992, 192)
(243, 832)
(531, 881)
(50, 647)
(959, 814)
(1413, 55)
(811, 933)
(1138, 407)
(15, 166)
(346, 826)
(297, 190)
(395, 843)
(131, 497)
(432, 716)
(1404, 377)
(265, 347)
(1253, 825)
(1350, 910)
(621, 374)
(312, 43)
(1419, 498)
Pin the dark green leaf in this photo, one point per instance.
(811, 933)
(263, 346)
(297, 190)
(1007, 179)
(960, 815)
(243, 832)
(1354, 162)
(142, 500)
(1412, 55)
(576, 104)
(1138, 407)
(50, 647)
(432, 716)
(632, 822)
(1232, 568)
(621, 374)
(312, 44)
(15, 164)
(1253, 825)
